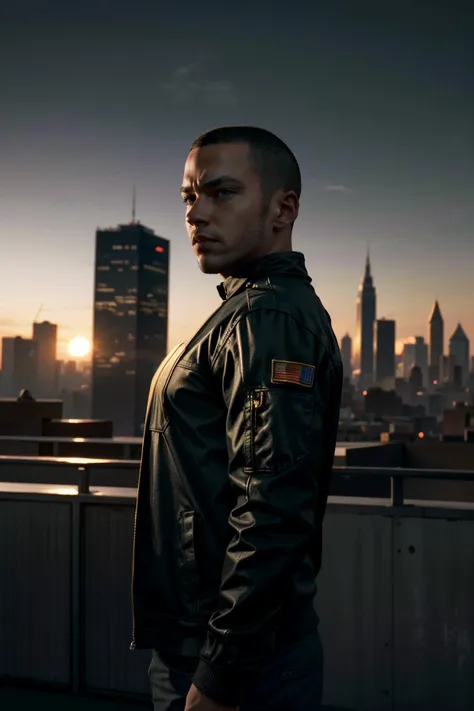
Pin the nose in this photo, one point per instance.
(198, 214)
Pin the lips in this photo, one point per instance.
(202, 239)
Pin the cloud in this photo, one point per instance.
(10, 329)
(338, 189)
(220, 93)
(8, 325)
(187, 85)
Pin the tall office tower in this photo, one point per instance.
(436, 328)
(408, 359)
(19, 366)
(130, 322)
(385, 353)
(459, 349)
(346, 353)
(364, 339)
(415, 381)
(446, 368)
(421, 357)
(45, 336)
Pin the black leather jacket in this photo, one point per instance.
(237, 454)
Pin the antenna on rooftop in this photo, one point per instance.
(134, 203)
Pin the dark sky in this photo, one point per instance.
(374, 98)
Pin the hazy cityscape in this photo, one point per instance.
(385, 391)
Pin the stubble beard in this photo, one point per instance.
(220, 265)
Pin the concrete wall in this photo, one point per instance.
(395, 600)
(35, 590)
(439, 455)
(387, 455)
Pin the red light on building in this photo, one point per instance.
(159, 249)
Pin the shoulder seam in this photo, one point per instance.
(245, 315)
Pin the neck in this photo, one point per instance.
(245, 265)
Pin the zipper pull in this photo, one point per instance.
(257, 402)
(132, 647)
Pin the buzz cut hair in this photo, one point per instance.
(275, 164)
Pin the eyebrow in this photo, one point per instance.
(214, 183)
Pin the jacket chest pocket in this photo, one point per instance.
(158, 416)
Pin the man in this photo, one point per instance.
(238, 449)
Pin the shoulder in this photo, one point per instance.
(278, 300)
(274, 318)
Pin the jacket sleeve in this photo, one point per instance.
(276, 380)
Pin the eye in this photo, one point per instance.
(224, 192)
(187, 199)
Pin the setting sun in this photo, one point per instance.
(79, 347)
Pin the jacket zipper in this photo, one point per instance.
(133, 644)
(257, 402)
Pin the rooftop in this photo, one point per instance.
(394, 595)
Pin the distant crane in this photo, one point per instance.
(38, 313)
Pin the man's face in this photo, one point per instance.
(223, 198)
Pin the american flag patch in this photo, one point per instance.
(286, 371)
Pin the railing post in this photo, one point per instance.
(76, 595)
(84, 480)
(396, 481)
(83, 487)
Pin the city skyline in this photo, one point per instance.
(63, 354)
(379, 118)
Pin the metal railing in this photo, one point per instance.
(85, 473)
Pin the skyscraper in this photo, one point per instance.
(416, 382)
(45, 336)
(346, 353)
(408, 359)
(436, 348)
(19, 366)
(364, 340)
(459, 350)
(130, 322)
(447, 368)
(421, 357)
(385, 353)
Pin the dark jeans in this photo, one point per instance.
(291, 681)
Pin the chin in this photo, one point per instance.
(208, 265)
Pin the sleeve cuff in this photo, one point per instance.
(219, 685)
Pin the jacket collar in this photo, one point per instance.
(285, 263)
